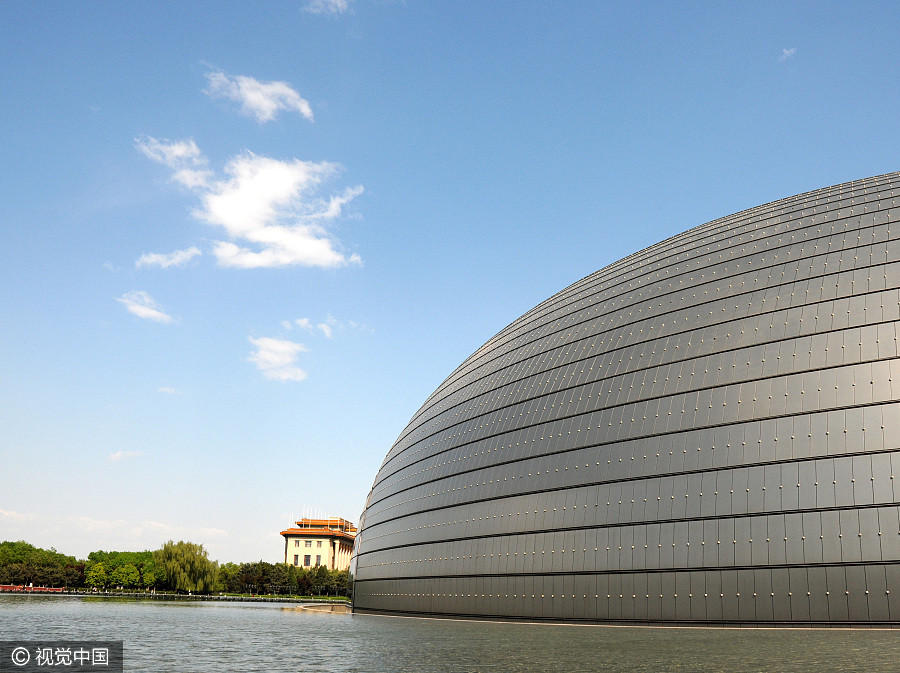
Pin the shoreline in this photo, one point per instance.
(182, 597)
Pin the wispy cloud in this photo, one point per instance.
(787, 53)
(166, 260)
(142, 305)
(167, 390)
(327, 327)
(271, 210)
(183, 156)
(181, 531)
(9, 514)
(147, 529)
(261, 100)
(277, 358)
(90, 524)
(332, 7)
(116, 456)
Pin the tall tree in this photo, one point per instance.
(227, 578)
(186, 567)
(283, 580)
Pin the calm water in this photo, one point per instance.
(208, 637)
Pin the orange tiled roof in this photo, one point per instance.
(331, 527)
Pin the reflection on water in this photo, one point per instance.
(174, 636)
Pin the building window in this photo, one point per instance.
(296, 543)
(306, 560)
(318, 543)
(318, 559)
(296, 559)
(308, 543)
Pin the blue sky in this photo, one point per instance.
(242, 243)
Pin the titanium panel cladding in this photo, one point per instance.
(706, 431)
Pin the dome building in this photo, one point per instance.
(706, 431)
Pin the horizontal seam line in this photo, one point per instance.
(628, 480)
(639, 571)
(623, 524)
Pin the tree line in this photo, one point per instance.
(176, 566)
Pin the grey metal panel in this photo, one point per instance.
(715, 403)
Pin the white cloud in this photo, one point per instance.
(277, 358)
(9, 514)
(182, 156)
(142, 305)
(787, 53)
(116, 456)
(262, 100)
(305, 323)
(270, 209)
(163, 260)
(325, 328)
(272, 205)
(167, 390)
(327, 6)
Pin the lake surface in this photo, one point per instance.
(206, 637)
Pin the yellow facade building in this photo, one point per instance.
(319, 542)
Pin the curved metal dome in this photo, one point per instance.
(705, 431)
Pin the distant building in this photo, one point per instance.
(319, 542)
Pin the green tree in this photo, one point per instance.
(304, 584)
(186, 567)
(283, 579)
(256, 578)
(14, 573)
(343, 583)
(74, 575)
(321, 580)
(149, 577)
(126, 576)
(22, 563)
(95, 575)
(227, 578)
